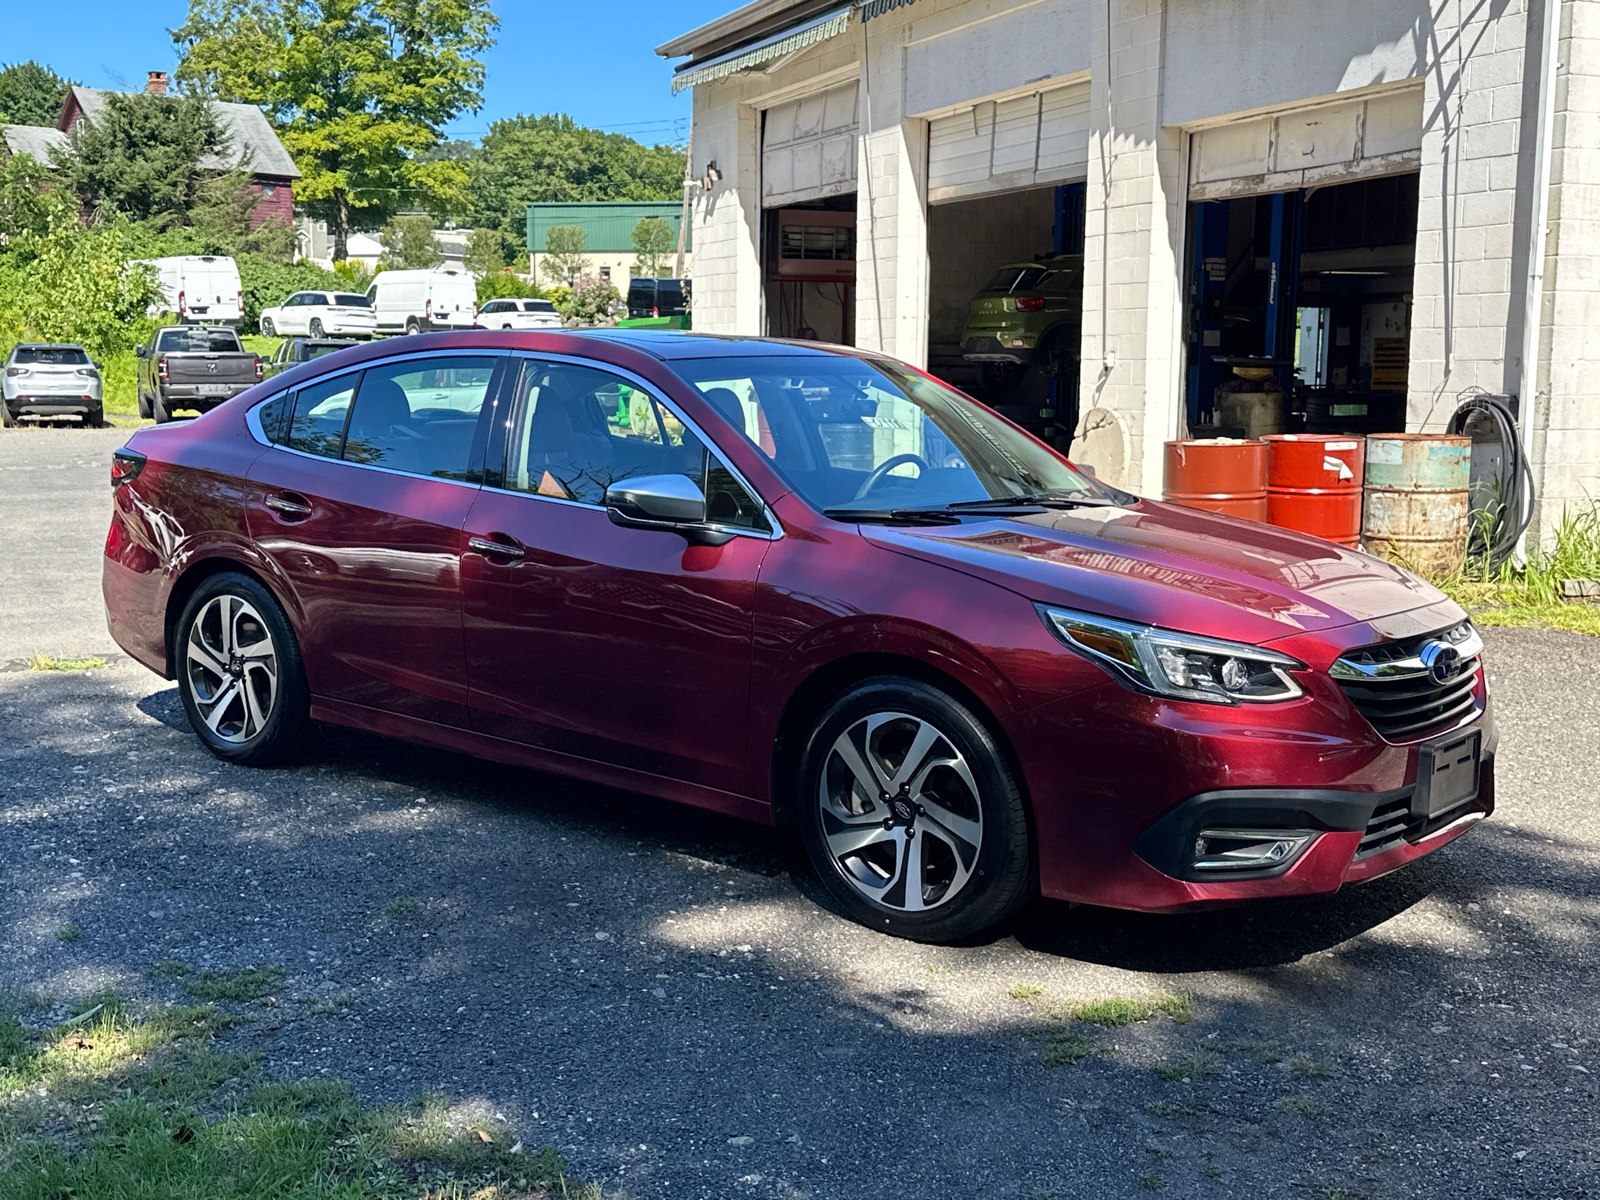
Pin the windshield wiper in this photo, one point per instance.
(1043, 501)
(894, 516)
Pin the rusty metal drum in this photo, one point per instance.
(1221, 475)
(1417, 500)
(1314, 485)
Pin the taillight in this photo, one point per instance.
(655, 312)
(161, 368)
(260, 369)
(15, 371)
(125, 466)
(1030, 303)
(239, 296)
(181, 305)
(427, 308)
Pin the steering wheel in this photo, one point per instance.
(878, 472)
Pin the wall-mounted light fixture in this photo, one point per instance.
(710, 179)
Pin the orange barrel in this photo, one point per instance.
(1314, 485)
(1221, 475)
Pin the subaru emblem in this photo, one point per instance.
(1443, 663)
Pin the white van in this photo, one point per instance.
(417, 301)
(199, 288)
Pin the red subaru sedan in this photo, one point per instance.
(805, 586)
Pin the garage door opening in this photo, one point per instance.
(1299, 315)
(811, 270)
(1005, 290)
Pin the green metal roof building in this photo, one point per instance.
(607, 225)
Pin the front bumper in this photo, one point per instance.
(1123, 783)
(999, 349)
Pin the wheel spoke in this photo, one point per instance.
(225, 614)
(258, 649)
(220, 705)
(957, 827)
(921, 745)
(867, 772)
(854, 838)
(257, 719)
(199, 654)
(910, 882)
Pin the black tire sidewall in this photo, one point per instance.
(1004, 877)
(286, 724)
(268, 329)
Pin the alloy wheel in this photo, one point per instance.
(232, 668)
(900, 812)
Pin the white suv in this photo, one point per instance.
(518, 314)
(321, 314)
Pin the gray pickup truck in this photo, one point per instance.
(193, 367)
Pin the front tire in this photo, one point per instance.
(240, 673)
(911, 815)
(268, 329)
(315, 328)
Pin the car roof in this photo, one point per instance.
(673, 344)
(47, 346)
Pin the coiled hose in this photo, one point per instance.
(1497, 532)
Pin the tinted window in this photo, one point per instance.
(351, 300)
(419, 415)
(538, 306)
(50, 356)
(495, 306)
(318, 349)
(669, 298)
(203, 339)
(319, 412)
(274, 417)
(577, 430)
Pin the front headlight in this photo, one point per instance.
(1182, 665)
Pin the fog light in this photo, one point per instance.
(1247, 850)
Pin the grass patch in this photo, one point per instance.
(1301, 1106)
(121, 1105)
(1263, 1052)
(1152, 1181)
(46, 662)
(1190, 1070)
(247, 983)
(1117, 1011)
(1062, 1048)
(399, 906)
(1305, 1068)
(68, 933)
(1531, 595)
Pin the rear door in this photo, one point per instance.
(361, 506)
(625, 646)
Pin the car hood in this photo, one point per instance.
(1178, 568)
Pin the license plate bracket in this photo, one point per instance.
(1448, 771)
(216, 389)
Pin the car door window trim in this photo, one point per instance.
(650, 389)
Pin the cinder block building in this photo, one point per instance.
(1394, 204)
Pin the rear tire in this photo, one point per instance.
(94, 419)
(412, 327)
(144, 405)
(240, 674)
(159, 409)
(7, 421)
(955, 856)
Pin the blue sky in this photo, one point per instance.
(594, 60)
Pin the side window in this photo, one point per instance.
(577, 430)
(320, 409)
(274, 417)
(419, 415)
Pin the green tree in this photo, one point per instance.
(653, 241)
(31, 94)
(408, 244)
(485, 254)
(528, 160)
(147, 157)
(359, 90)
(564, 259)
(29, 206)
(503, 284)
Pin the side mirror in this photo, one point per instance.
(673, 503)
(1087, 470)
(98, 366)
(141, 351)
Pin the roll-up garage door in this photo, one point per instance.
(808, 148)
(1308, 147)
(1003, 145)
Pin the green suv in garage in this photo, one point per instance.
(1028, 315)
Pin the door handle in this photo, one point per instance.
(290, 509)
(493, 548)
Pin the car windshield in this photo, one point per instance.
(351, 300)
(50, 356)
(869, 434)
(198, 338)
(1016, 279)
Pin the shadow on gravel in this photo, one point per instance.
(166, 708)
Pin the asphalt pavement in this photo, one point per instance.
(666, 997)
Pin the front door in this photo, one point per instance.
(626, 646)
(362, 508)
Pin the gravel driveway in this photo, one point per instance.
(665, 996)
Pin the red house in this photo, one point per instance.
(255, 147)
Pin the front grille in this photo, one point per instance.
(1392, 687)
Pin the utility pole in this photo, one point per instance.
(683, 213)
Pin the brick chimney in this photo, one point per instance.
(156, 83)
